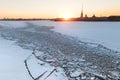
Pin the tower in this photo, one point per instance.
(82, 12)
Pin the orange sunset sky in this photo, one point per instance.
(57, 8)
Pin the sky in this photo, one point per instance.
(57, 8)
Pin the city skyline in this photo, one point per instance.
(54, 8)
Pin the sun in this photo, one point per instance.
(66, 17)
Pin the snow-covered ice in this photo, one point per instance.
(13, 24)
(12, 61)
(12, 58)
(29, 34)
(12, 64)
(105, 33)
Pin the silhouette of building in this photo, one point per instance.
(81, 12)
(86, 16)
(93, 16)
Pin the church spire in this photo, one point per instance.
(82, 11)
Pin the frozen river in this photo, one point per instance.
(45, 36)
(106, 33)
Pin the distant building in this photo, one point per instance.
(86, 16)
(93, 16)
(114, 18)
(81, 13)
